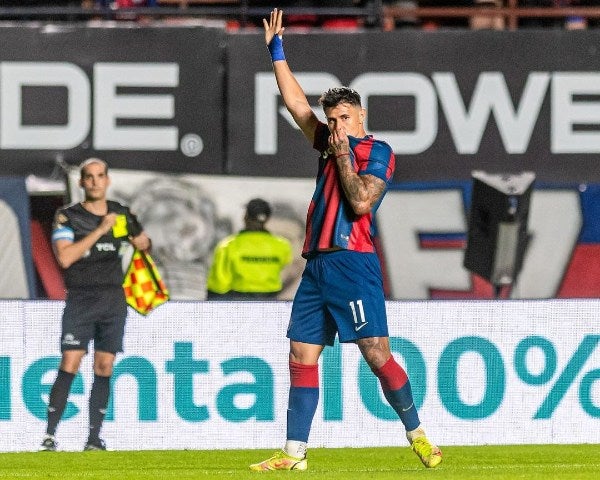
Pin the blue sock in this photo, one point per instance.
(301, 410)
(302, 401)
(402, 402)
(397, 391)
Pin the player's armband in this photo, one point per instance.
(276, 48)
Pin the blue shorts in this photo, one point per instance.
(340, 292)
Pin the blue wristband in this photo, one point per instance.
(276, 48)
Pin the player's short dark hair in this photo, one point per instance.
(335, 96)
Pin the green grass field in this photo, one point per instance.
(547, 462)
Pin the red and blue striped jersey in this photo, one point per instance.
(330, 221)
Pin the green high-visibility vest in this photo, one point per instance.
(249, 262)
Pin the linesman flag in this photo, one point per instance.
(143, 286)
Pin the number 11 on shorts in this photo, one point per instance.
(358, 313)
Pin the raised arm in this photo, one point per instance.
(293, 96)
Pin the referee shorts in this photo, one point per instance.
(97, 314)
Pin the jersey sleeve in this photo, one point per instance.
(61, 227)
(134, 227)
(380, 162)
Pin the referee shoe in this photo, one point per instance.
(94, 445)
(48, 444)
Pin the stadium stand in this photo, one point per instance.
(385, 14)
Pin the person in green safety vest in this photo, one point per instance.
(248, 264)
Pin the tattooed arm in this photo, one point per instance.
(362, 191)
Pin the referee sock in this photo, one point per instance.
(397, 391)
(98, 403)
(302, 403)
(58, 399)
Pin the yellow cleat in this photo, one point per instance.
(429, 454)
(280, 461)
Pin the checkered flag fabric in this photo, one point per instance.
(143, 286)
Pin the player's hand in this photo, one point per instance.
(338, 141)
(107, 222)
(274, 25)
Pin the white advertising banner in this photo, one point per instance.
(203, 375)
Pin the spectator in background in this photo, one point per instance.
(248, 265)
(433, 23)
(450, 22)
(298, 21)
(570, 23)
(313, 20)
(391, 23)
(574, 22)
(591, 22)
(126, 3)
(89, 239)
(341, 22)
(486, 22)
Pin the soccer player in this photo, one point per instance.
(89, 239)
(248, 264)
(341, 289)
